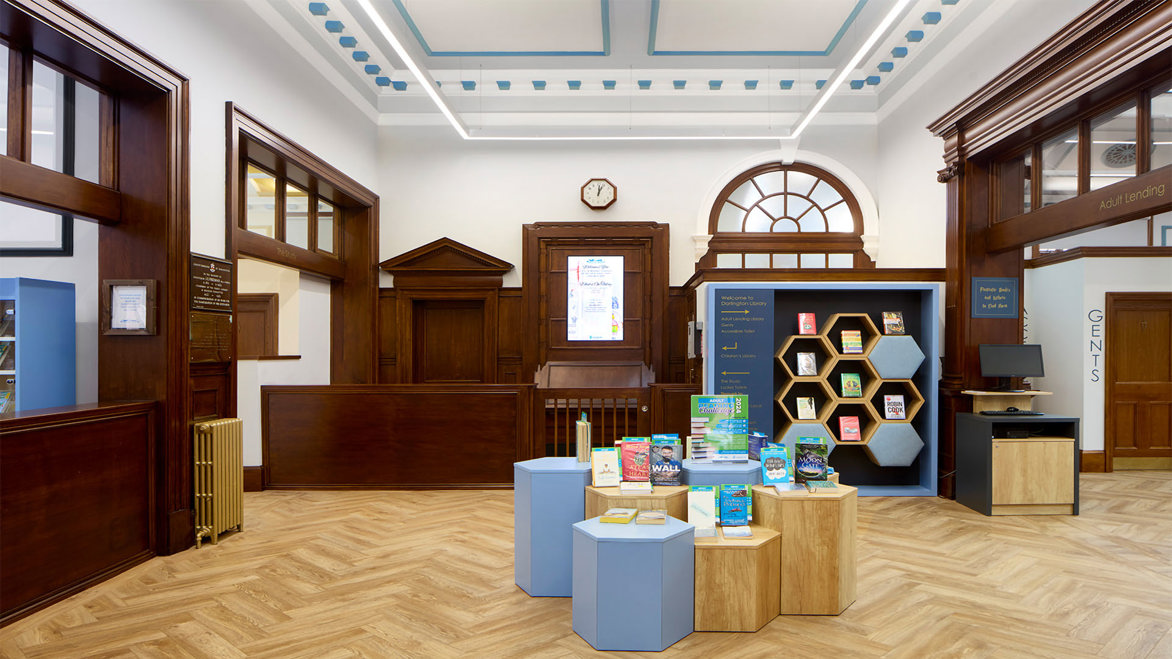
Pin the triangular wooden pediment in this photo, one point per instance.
(446, 256)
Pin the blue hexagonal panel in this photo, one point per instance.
(796, 430)
(894, 445)
(896, 357)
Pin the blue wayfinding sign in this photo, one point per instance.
(742, 358)
(995, 297)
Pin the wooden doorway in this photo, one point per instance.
(448, 341)
(1138, 423)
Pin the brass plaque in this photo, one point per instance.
(211, 337)
(211, 284)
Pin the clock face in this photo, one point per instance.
(599, 193)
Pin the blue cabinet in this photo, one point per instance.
(38, 352)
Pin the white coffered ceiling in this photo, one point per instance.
(627, 68)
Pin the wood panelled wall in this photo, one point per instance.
(511, 337)
(1106, 56)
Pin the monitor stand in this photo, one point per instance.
(1000, 400)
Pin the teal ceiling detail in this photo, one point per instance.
(503, 85)
(750, 84)
(318, 8)
(604, 17)
(651, 50)
(334, 26)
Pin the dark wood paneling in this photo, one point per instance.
(77, 488)
(676, 330)
(44, 187)
(254, 479)
(448, 341)
(1142, 196)
(265, 248)
(256, 325)
(762, 274)
(671, 407)
(1138, 387)
(1076, 253)
(388, 338)
(644, 247)
(394, 435)
(209, 391)
(1092, 462)
(510, 337)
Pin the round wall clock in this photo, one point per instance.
(599, 193)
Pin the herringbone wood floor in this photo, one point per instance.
(430, 574)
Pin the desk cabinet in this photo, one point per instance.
(1017, 465)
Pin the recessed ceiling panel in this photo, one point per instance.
(750, 27)
(508, 27)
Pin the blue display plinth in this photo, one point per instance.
(634, 584)
(548, 497)
(716, 473)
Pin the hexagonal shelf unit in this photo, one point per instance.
(862, 322)
(868, 419)
(790, 434)
(815, 388)
(912, 400)
(896, 357)
(824, 354)
(894, 445)
(851, 364)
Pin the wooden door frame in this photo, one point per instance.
(1113, 299)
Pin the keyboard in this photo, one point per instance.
(1014, 413)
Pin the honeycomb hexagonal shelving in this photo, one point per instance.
(894, 445)
(896, 357)
(790, 434)
(787, 354)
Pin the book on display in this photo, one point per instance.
(636, 457)
(806, 324)
(651, 517)
(736, 500)
(702, 510)
(806, 409)
(722, 422)
(736, 531)
(618, 515)
(582, 435)
(775, 465)
(893, 322)
(666, 468)
(848, 429)
(635, 487)
(604, 466)
(807, 363)
(852, 385)
(810, 459)
(852, 342)
(893, 407)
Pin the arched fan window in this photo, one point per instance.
(786, 216)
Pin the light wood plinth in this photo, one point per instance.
(738, 585)
(1033, 476)
(818, 571)
(984, 401)
(672, 498)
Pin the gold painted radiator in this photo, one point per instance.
(219, 478)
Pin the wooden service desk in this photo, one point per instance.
(818, 571)
(738, 581)
(672, 498)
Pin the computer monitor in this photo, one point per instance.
(1010, 361)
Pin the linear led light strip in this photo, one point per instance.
(440, 103)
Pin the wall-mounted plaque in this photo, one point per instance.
(994, 297)
(211, 284)
(211, 337)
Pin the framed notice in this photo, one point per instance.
(211, 284)
(129, 306)
(994, 297)
(594, 298)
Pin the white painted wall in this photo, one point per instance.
(312, 368)
(1063, 300)
(433, 185)
(81, 270)
(254, 276)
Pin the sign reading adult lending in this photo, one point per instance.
(211, 284)
(594, 298)
(742, 347)
(995, 297)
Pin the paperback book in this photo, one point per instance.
(848, 429)
(757, 441)
(852, 385)
(814, 486)
(635, 487)
(582, 430)
(806, 324)
(5, 401)
(775, 465)
(636, 456)
(735, 503)
(807, 363)
(810, 456)
(893, 322)
(723, 423)
(604, 466)
(852, 342)
(666, 467)
(702, 510)
(806, 409)
(618, 515)
(893, 407)
(651, 517)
